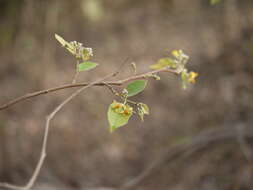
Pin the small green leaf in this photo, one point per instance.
(87, 65)
(118, 115)
(136, 87)
(164, 62)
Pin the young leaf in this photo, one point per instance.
(143, 110)
(164, 62)
(176, 53)
(136, 87)
(86, 53)
(65, 44)
(87, 65)
(61, 40)
(118, 115)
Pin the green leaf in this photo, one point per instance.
(118, 115)
(136, 87)
(87, 65)
(164, 62)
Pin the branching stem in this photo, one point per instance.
(67, 86)
(45, 138)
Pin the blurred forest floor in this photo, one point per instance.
(174, 138)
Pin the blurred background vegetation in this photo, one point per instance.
(82, 154)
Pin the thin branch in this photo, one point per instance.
(45, 138)
(112, 90)
(67, 86)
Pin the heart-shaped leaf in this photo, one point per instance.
(118, 115)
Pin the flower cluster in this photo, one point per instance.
(79, 51)
(122, 108)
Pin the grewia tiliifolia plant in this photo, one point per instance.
(120, 110)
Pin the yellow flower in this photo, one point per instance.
(192, 77)
(175, 53)
(128, 110)
(117, 105)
